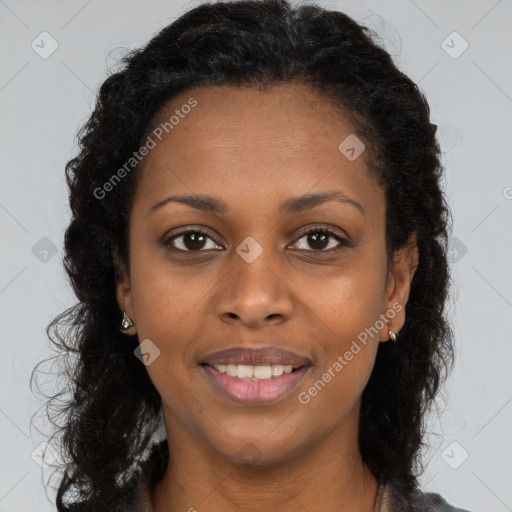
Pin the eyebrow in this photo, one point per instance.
(293, 205)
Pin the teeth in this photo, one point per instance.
(243, 371)
(261, 372)
(249, 372)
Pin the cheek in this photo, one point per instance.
(335, 391)
(168, 303)
(347, 314)
(347, 306)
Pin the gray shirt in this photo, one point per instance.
(390, 498)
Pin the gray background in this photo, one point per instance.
(44, 101)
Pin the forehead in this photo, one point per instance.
(285, 116)
(242, 144)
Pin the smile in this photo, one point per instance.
(255, 384)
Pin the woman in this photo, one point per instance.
(257, 205)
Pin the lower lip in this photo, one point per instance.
(256, 391)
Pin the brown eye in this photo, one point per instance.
(192, 241)
(321, 240)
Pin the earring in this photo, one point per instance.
(392, 335)
(126, 323)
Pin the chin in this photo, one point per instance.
(260, 450)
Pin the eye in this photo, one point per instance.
(196, 240)
(321, 240)
(191, 240)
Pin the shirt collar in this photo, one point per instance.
(143, 498)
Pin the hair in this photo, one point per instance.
(107, 411)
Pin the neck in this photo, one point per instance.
(330, 477)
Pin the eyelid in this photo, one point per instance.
(321, 228)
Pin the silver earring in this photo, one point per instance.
(126, 323)
(392, 335)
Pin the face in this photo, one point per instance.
(285, 250)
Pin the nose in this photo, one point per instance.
(255, 294)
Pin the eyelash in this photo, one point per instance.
(316, 230)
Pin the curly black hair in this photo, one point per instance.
(107, 411)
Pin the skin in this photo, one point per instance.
(253, 149)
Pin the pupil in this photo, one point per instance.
(194, 241)
(318, 238)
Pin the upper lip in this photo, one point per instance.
(254, 357)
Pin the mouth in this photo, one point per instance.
(250, 390)
(255, 377)
(254, 373)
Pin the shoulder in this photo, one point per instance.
(432, 502)
(393, 498)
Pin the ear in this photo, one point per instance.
(123, 289)
(401, 273)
